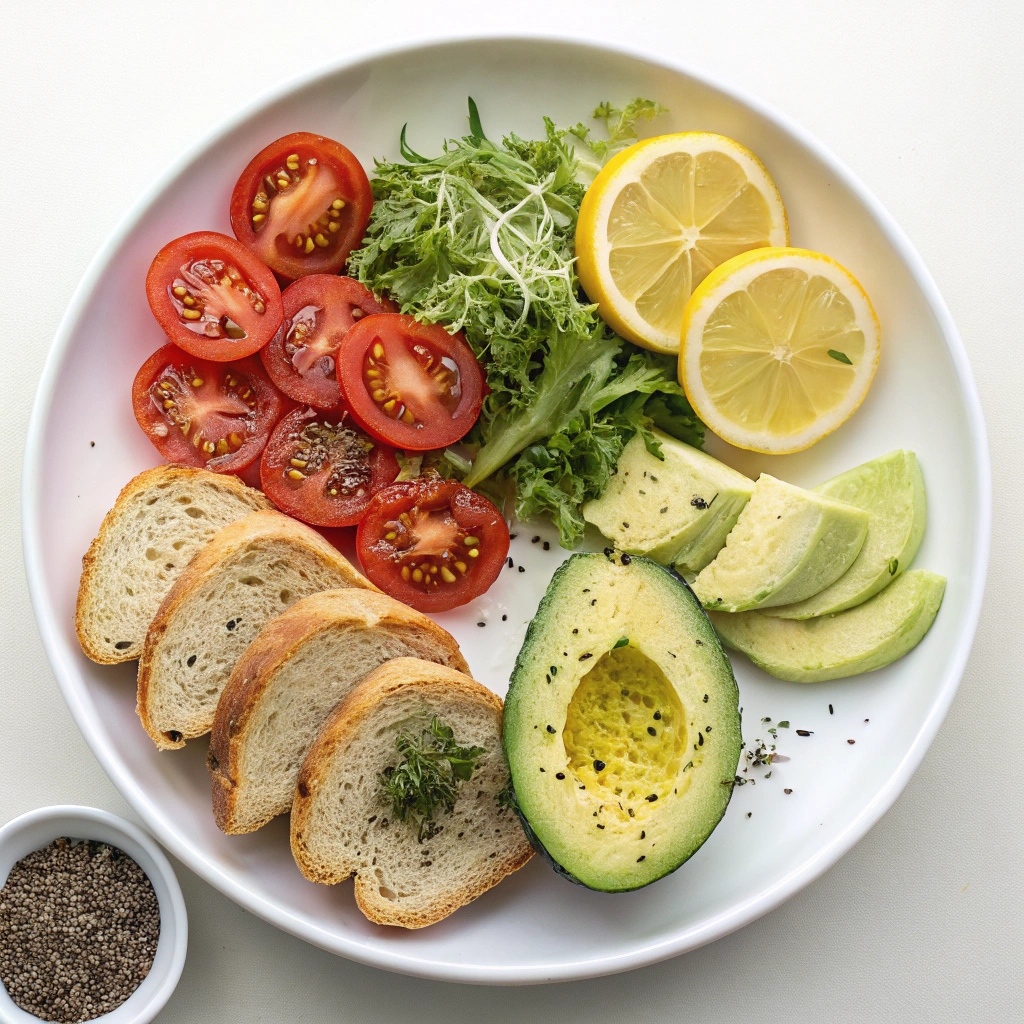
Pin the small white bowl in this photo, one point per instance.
(37, 829)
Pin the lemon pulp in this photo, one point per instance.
(669, 230)
(774, 338)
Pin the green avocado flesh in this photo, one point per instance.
(622, 725)
(891, 490)
(864, 638)
(677, 510)
(787, 545)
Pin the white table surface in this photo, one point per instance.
(925, 100)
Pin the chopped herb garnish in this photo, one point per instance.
(426, 780)
(623, 642)
(783, 725)
(894, 564)
(841, 357)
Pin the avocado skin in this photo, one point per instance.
(536, 625)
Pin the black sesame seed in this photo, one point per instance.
(512, 536)
(851, 742)
(643, 835)
(626, 559)
(650, 799)
(593, 602)
(700, 739)
(651, 731)
(600, 826)
(554, 670)
(640, 858)
(231, 624)
(122, 645)
(830, 711)
(575, 631)
(583, 657)
(510, 562)
(559, 775)
(657, 716)
(804, 732)
(750, 814)
(706, 699)
(707, 728)
(609, 552)
(522, 569)
(191, 661)
(534, 540)
(546, 546)
(550, 729)
(542, 769)
(504, 618)
(481, 623)
(787, 791)
(599, 766)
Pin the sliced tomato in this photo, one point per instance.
(318, 312)
(433, 544)
(302, 205)
(212, 297)
(322, 469)
(214, 415)
(412, 385)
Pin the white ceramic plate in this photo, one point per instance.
(535, 926)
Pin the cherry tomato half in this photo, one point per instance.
(302, 205)
(431, 543)
(320, 468)
(212, 297)
(412, 385)
(318, 312)
(214, 415)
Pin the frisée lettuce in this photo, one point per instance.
(481, 239)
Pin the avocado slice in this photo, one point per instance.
(788, 544)
(862, 639)
(677, 510)
(891, 490)
(621, 725)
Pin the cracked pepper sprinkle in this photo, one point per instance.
(79, 924)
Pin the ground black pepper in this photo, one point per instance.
(79, 925)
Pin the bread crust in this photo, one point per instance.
(148, 478)
(435, 682)
(275, 645)
(267, 525)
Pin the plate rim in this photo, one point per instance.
(712, 928)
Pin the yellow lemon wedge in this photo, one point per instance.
(778, 348)
(659, 217)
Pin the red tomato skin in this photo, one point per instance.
(358, 198)
(175, 447)
(166, 266)
(471, 510)
(446, 428)
(337, 297)
(306, 503)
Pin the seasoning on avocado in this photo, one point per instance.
(79, 926)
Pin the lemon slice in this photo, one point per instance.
(779, 347)
(660, 217)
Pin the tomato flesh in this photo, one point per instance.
(201, 413)
(318, 312)
(320, 468)
(433, 544)
(412, 385)
(301, 205)
(212, 298)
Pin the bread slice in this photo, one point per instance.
(160, 520)
(249, 573)
(342, 825)
(290, 678)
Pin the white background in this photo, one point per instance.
(925, 100)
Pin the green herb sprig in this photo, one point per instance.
(426, 780)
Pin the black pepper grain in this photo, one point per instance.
(559, 775)
(79, 926)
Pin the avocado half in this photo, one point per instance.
(622, 723)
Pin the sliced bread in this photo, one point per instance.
(248, 574)
(160, 520)
(343, 824)
(290, 678)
